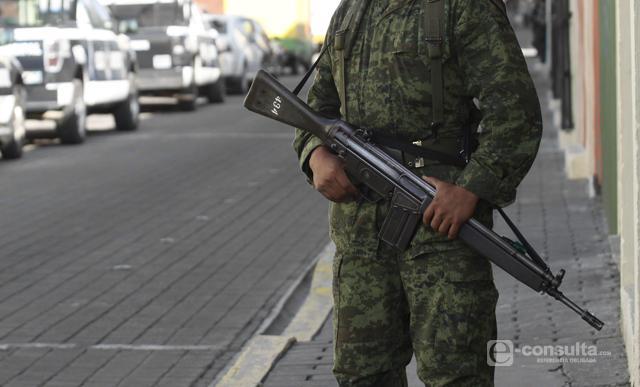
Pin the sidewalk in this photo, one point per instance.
(568, 228)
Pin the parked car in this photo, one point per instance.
(245, 49)
(73, 63)
(176, 54)
(12, 97)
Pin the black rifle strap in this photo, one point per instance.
(533, 254)
(306, 77)
(434, 21)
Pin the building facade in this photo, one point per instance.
(212, 6)
(601, 128)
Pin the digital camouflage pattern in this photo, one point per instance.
(438, 292)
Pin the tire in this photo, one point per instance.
(216, 91)
(72, 128)
(126, 113)
(13, 149)
(190, 103)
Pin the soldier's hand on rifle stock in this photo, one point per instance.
(330, 178)
(450, 209)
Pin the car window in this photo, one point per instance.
(33, 13)
(100, 16)
(149, 14)
(82, 15)
(247, 28)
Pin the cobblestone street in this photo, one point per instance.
(149, 258)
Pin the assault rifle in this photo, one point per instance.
(368, 165)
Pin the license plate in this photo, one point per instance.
(140, 45)
(32, 77)
(162, 62)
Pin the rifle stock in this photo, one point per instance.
(271, 99)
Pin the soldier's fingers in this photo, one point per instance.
(343, 181)
(428, 214)
(432, 180)
(330, 192)
(444, 227)
(454, 230)
(436, 221)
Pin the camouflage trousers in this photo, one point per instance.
(437, 300)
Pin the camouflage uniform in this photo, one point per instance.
(438, 297)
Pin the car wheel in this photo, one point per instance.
(127, 112)
(13, 148)
(72, 128)
(216, 91)
(189, 102)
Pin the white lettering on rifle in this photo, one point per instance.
(277, 104)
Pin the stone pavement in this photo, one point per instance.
(149, 258)
(569, 230)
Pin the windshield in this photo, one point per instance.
(33, 13)
(149, 15)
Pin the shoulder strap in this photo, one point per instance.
(306, 77)
(434, 20)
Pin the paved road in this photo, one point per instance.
(149, 258)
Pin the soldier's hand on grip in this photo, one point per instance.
(330, 178)
(450, 209)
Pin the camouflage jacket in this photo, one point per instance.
(388, 88)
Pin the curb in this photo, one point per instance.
(261, 353)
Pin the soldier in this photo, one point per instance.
(446, 75)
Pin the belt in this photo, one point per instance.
(415, 154)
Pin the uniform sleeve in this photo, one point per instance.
(323, 98)
(496, 73)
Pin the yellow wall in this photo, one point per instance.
(279, 17)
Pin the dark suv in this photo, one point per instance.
(177, 55)
(73, 63)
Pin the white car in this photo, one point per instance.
(176, 54)
(244, 49)
(73, 63)
(12, 95)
